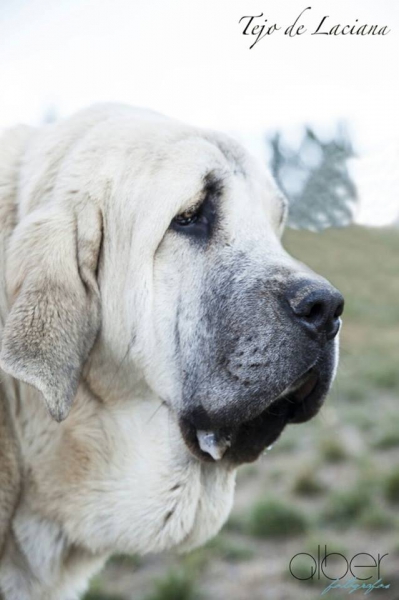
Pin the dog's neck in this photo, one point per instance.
(109, 479)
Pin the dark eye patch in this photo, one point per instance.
(199, 222)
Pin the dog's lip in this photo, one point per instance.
(302, 391)
(307, 398)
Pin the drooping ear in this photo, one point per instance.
(55, 311)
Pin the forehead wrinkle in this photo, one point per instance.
(234, 158)
(232, 152)
(212, 186)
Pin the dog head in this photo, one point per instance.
(148, 254)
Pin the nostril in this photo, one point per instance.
(318, 310)
(333, 324)
(339, 310)
(314, 312)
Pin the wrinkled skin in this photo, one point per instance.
(235, 338)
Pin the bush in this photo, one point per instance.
(375, 519)
(271, 518)
(177, 585)
(133, 561)
(95, 592)
(307, 484)
(388, 440)
(229, 550)
(392, 487)
(345, 508)
(332, 450)
(93, 595)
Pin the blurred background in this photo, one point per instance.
(321, 112)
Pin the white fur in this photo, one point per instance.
(115, 476)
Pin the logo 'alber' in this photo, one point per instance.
(320, 566)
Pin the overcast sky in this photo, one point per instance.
(189, 59)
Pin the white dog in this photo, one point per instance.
(154, 335)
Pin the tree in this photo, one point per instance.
(316, 180)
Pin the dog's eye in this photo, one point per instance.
(196, 222)
(187, 218)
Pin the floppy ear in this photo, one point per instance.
(55, 313)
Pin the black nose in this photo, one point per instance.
(317, 306)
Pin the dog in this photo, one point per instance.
(154, 336)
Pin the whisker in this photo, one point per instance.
(162, 403)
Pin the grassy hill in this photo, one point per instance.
(334, 480)
(364, 265)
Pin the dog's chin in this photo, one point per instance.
(245, 442)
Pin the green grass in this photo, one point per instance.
(228, 550)
(95, 592)
(363, 264)
(176, 585)
(301, 569)
(133, 561)
(344, 509)
(221, 547)
(388, 439)
(384, 374)
(369, 478)
(374, 518)
(306, 483)
(236, 523)
(247, 471)
(312, 546)
(391, 487)
(275, 519)
(332, 450)
(286, 444)
(100, 596)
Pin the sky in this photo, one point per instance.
(191, 61)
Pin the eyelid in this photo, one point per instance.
(193, 208)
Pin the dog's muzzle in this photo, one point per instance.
(243, 442)
(241, 431)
